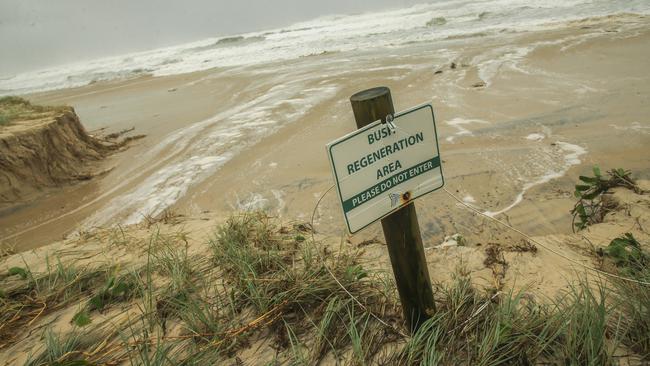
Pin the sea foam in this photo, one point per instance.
(194, 153)
(572, 155)
(340, 33)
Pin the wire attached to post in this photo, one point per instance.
(536, 242)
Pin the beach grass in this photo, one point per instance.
(312, 304)
(632, 299)
(14, 108)
(30, 296)
(57, 347)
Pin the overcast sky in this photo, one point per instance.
(39, 33)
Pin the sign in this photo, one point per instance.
(383, 166)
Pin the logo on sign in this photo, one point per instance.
(394, 199)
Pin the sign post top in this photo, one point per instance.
(368, 94)
(372, 105)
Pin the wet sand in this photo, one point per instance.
(553, 103)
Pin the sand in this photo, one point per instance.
(254, 137)
(526, 264)
(519, 116)
(47, 150)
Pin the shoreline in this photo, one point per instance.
(206, 54)
(296, 106)
(218, 238)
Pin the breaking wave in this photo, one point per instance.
(431, 22)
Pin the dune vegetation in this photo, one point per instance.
(15, 108)
(258, 285)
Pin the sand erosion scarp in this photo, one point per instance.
(42, 147)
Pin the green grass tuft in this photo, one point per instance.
(14, 108)
(632, 299)
(38, 294)
(60, 349)
(313, 305)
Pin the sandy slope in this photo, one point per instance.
(539, 272)
(48, 150)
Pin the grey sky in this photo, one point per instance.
(40, 33)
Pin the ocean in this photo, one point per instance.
(431, 22)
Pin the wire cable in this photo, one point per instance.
(609, 274)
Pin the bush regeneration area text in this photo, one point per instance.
(380, 167)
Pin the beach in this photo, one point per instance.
(182, 209)
(519, 114)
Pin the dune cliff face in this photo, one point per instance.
(49, 150)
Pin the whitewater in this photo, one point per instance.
(431, 22)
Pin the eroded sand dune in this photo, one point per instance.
(49, 150)
(46, 147)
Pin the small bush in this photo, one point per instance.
(590, 208)
(627, 254)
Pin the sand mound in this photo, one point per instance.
(44, 147)
(128, 268)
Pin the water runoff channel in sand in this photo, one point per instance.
(551, 164)
(191, 154)
(207, 145)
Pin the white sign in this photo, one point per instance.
(382, 166)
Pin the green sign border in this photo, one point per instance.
(365, 128)
(348, 204)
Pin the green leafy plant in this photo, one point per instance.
(82, 318)
(590, 208)
(22, 272)
(627, 253)
(116, 289)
